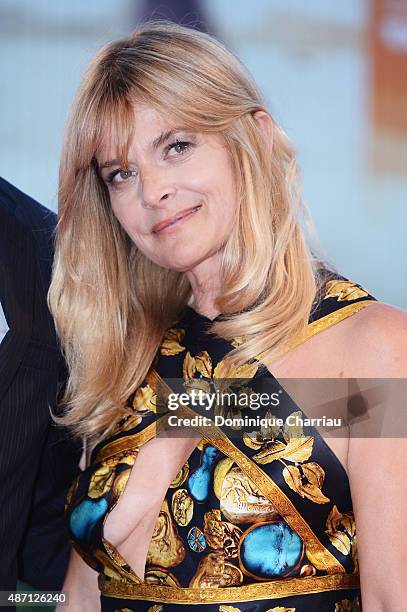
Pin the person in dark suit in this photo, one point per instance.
(37, 460)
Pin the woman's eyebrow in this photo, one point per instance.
(156, 143)
(163, 137)
(108, 164)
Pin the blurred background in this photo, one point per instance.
(334, 75)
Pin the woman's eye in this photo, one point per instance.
(120, 176)
(179, 146)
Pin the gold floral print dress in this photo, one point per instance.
(257, 520)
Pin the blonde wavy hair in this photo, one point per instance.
(110, 303)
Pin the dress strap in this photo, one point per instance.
(341, 298)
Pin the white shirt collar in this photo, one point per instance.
(3, 324)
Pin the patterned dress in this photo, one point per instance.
(258, 519)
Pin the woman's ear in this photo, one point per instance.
(266, 124)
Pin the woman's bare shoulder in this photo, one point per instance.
(377, 342)
(371, 343)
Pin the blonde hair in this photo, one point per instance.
(110, 303)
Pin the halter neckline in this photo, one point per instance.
(198, 315)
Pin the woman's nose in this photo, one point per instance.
(156, 187)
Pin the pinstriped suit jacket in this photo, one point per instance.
(37, 460)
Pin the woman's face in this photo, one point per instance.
(176, 199)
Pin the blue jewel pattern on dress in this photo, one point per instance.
(84, 517)
(271, 550)
(196, 539)
(199, 483)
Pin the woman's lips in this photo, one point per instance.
(167, 225)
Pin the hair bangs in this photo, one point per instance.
(114, 129)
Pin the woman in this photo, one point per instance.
(181, 257)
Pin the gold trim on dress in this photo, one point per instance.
(323, 323)
(334, 317)
(272, 589)
(133, 441)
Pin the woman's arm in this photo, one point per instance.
(377, 462)
(80, 586)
